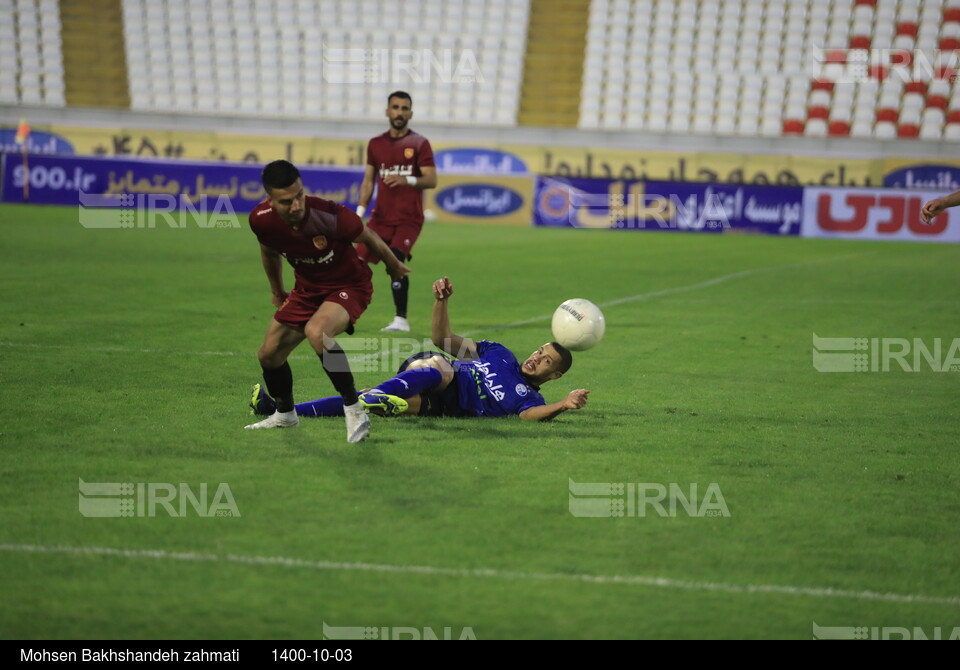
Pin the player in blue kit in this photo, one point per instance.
(483, 379)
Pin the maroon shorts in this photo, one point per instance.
(303, 304)
(400, 237)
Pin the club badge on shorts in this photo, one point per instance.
(320, 242)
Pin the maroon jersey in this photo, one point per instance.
(320, 248)
(402, 156)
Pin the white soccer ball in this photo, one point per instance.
(578, 324)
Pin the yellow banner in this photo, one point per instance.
(784, 170)
(482, 199)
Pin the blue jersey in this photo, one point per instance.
(491, 384)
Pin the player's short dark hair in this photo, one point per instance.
(566, 358)
(400, 94)
(279, 174)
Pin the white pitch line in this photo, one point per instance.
(632, 580)
(672, 291)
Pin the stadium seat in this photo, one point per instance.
(494, 30)
(838, 128)
(908, 130)
(816, 127)
(793, 127)
(885, 130)
(861, 129)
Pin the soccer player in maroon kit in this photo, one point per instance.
(402, 161)
(332, 289)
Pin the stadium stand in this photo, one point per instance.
(461, 62)
(762, 68)
(31, 61)
(860, 68)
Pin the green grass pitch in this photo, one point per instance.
(127, 356)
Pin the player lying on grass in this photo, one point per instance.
(483, 379)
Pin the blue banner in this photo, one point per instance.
(663, 205)
(38, 142)
(61, 180)
(474, 161)
(924, 176)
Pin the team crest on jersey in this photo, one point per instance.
(521, 390)
(320, 242)
(408, 152)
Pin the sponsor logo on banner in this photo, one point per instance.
(877, 214)
(38, 142)
(554, 201)
(478, 161)
(936, 177)
(58, 180)
(656, 205)
(479, 200)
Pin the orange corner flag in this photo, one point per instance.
(23, 130)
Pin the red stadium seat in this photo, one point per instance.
(953, 116)
(908, 130)
(907, 28)
(818, 113)
(861, 42)
(949, 44)
(951, 14)
(938, 101)
(900, 57)
(836, 56)
(888, 114)
(947, 73)
(878, 72)
(872, 3)
(793, 127)
(821, 85)
(916, 87)
(838, 129)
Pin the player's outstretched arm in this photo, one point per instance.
(935, 207)
(375, 243)
(576, 399)
(442, 335)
